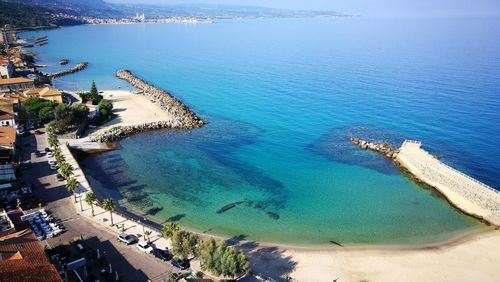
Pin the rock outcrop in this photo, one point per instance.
(182, 115)
(384, 149)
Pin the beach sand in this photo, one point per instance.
(475, 257)
(131, 109)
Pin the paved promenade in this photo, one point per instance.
(121, 223)
(464, 192)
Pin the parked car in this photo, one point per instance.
(180, 264)
(125, 238)
(47, 150)
(38, 132)
(53, 167)
(52, 162)
(50, 154)
(59, 177)
(164, 255)
(145, 247)
(38, 153)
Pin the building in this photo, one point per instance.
(16, 84)
(6, 67)
(22, 258)
(7, 143)
(46, 93)
(7, 119)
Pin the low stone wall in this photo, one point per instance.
(120, 132)
(166, 101)
(384, 149)
(78, 67)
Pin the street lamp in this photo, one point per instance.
(81, 206)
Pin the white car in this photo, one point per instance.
(145, 247)
(53, 167)
(50, 154)
(125, 238)
(52, 162)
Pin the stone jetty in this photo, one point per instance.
(462, 191)
(182, 115)
(78, 67)
(120, 132)
(384, 149)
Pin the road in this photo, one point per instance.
(132, 264)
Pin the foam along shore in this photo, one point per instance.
(462, 191)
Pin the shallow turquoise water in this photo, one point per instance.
(282, 97)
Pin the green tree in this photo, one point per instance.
(38, 107)
(109, 205)
(105, 108)
(93, 89)
(71, 185)
(169, 229)
(53, 140)
(218, 258)
(79, 113)
(90, 199)
(184, 244)
(66, 170)
(147, 234)
(62, 112)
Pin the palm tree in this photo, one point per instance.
(66, 170)
(72, 184)
(90, 199)
(109, 205)
(53, 140)
(148, 233)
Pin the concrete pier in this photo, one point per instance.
(464, 192)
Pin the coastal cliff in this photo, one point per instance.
(183, 116)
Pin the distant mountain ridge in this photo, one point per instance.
(52, 13)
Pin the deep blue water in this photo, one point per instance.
(282, 97)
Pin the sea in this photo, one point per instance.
(282, 97)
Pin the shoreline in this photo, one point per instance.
(453, 240)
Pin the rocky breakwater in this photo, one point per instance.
(120, 132)
(78, 67)
(384, 149)
(183, 117)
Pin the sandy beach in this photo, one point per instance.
(131, 109)
(470, 257)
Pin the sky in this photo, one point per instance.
(363, 7)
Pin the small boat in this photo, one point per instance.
(63, 62)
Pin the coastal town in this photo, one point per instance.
(82, 237)
(56, 225)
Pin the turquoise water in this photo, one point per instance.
(282, 98)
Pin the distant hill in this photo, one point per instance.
(92, 8)
(51, 13)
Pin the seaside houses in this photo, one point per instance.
(16, 84)
(22, 256)
(46, 93)
(8, 137)
(6, 67)
(7, 119)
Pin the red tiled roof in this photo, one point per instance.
(25, 259)
(4, 115)
(7, 135)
